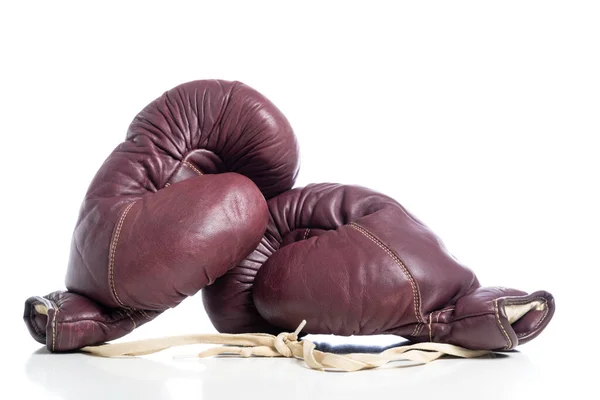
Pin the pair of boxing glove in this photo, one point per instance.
(199, 196)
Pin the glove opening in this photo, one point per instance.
(515, 312)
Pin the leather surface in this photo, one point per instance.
(72, 319)
(355, 262)
(174, 206)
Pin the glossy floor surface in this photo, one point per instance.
(538, 370)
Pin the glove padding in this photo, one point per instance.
(175, 206)
(355, 262)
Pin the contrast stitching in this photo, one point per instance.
(113, 248)
(144, 314)
(525, 301)
(167, 184)
(189, 164)
(131, 318)
(306, 232)
(437, 319)
(413, 284)
(509, 345)
(54, 327)
(430, 337)
(415, 331)
(421, 326)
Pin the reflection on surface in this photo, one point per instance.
(80, 376)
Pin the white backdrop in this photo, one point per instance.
(481, 118)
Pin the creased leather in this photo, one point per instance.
(352, 261)
(173, 207)
(74, 317)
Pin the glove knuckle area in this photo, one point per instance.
(323, 269)
(337, 283)
(352, 261)
(205, 228)
(167, 209)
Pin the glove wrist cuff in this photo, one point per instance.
(65, 321)
(39, 315)
(492, 319)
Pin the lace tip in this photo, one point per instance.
(300, 327)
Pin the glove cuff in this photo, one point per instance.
(66, 321)
(492, 318)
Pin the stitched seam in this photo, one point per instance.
(415, 331)
(54, 327)
(546, 310)
(131, 318)
(485, 314)
(420, 328)
(509, 345)
(430, 337)
(113, 248)
(413, 284)
(193, 168)
(437, 319)
(306, 232)
(144, 314)
(167, 184)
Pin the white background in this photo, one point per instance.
(481, 117)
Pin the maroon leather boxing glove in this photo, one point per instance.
(171, 209)
(355, 262)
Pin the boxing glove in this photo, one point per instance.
(173, 207)
(351, 261)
